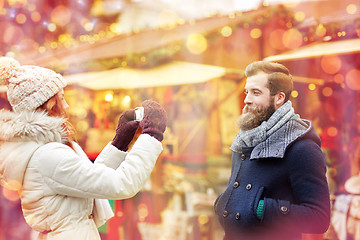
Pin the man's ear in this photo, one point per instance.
(279, 99)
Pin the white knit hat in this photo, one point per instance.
(29, 87)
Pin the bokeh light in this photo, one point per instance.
(351, 9)
(294, 94)
(332, 131)
(352, 79)
(327, 91)
(35, 16)
(196, 43)
(61, 15)
(109, 97)
(331, 64)
(21, 18)
(226, 31)
(339, 78)
(51, 27)
(203, 219)
(255, 33)
(292, 38)
(299, 16)
(10, 195)
(320, 30)
(276, 39)
(312, 86)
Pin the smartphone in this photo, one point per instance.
(139, 113)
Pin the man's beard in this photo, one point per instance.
(252, 117)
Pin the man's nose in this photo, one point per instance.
(247, 99)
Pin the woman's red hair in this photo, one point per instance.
(54, 107)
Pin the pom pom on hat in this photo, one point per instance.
(8, 68)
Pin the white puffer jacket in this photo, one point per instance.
(58, 185)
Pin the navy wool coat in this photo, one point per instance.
(292, 182)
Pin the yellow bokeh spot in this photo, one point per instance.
(312, 86)
(109, 97)
(226, 31)
(115, 28)
(203, 219)
(299, 16)
(320, 30)
(294, 94)
(196, 43)
(53, 45)
(255, 33)
(351, 9)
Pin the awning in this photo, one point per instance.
(174, 73)
(319, 49)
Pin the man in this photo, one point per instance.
(277, 189)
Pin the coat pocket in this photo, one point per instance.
(259, 195)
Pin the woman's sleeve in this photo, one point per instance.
(68, 174)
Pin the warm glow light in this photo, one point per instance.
(143, 211)
(61, 15)
(351, 9)
(276, 39)
(196, 43)
(10, 195)
(226, 31)
(109, 97)
(330, 64)
(327, 91)
(13, 2)
(299, 16)
(320, 30)
(312, 86)
(292, 38)
(332, 131)
(89, 26)
(21, 18)
(203, 219)
(294, 94)
(51, 27)
(35, 16)
(352, 79)
(255, 33)
(126, 102)
(115, 28)
(339, 78)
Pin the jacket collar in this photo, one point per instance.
(31, 126)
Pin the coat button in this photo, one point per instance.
(225, 214)
(243, 156)
(236, 184)
(237, 216)
(284, 209)
(248, 187)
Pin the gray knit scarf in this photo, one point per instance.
(253, 137)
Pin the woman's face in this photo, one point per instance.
(63, 101)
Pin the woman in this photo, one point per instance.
(59, 188)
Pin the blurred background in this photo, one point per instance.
(190, 56)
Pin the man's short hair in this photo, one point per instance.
(279, 77)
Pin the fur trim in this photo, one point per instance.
(31, 126)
